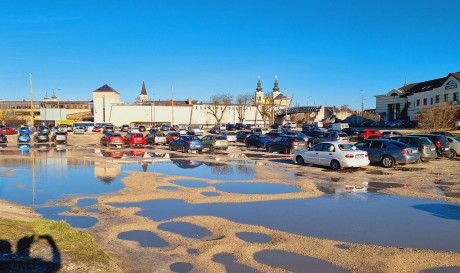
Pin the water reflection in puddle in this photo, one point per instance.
(191, 183)
(198, 169)
(186, 229)
(171, 188)
(255, 188)
(296, 263)
(53, 213)
(181, 267)
(93, 210)
(231, 265)
(253, 237)
(337, 217)
(144, 238)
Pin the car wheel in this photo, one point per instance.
(287, 151)
(453, 153)
(247, 145)
(299, 160)
(268, 149)
(388, 161)
(424, 160)
(184, 150)
(171, 147)
(335, 165)
(225, 148)
(200, 151)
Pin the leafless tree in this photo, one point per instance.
(441, 116)
(243, 102)
(218, 105)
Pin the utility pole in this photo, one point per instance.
(172, 105)
(31, 102)
(362, 103)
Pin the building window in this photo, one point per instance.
(425, 101)
(431, 101)
(455, 97)
(418, 102)
(451, 85)
(437, 99)
(446, 97)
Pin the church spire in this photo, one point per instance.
(259, 86)
(275, 87)
(143, 90)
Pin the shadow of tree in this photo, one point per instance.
(21, 261)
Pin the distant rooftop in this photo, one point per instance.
(106, 88)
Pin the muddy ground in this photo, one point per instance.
(438, 179)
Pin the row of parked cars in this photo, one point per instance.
(39, 134)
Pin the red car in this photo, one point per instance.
(8, 131)
(171, 136)
(97, 129)
(369, 133)
(112, 139)
(134, 139)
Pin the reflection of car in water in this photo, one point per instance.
(114, 153)
(186, 164)
(24, 149)
(135, 153)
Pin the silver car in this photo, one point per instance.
(388, 152)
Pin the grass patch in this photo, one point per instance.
(78, 244)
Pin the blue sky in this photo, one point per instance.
(323, 52)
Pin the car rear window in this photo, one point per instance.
(138, 135)
(342, 135)
(396, 144)
(347, 147)
(426, 141)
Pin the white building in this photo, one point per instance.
(416, 97)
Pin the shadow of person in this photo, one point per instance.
(21, 260)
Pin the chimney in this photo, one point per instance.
(189, 100)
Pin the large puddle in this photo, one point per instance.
(369, 218)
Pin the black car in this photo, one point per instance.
(350, 131)
(286, 144)
(124, 128)
(3, 139)
(258, 141)
(441, 143)
(142, 128)
(240, 126)
(242, 135)
(230, 127)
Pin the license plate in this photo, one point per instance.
(432, 149)
(415, 151)
(359, 156)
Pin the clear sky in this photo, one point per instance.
(324, 52)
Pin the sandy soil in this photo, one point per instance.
(425, 180)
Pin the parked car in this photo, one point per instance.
(230, 127)
(97, 129)
(214, 142)
(195, 130)
(141, 128)
(214, 130)
(441, 143)
(171, 136)
(330, 136)
(3, 139)
(79, 130)
(165, 127)
(186, 143)
(240, 126)
(124, 128)
(286, 144)
(454, 146)
(25, 130)
(334, 154)
(350, 131)
(155, 138)
(388, 152)
(389, 134)
(258, 141)
(23, 138)
(41, 137)
(112, 139)
(426, 148)
(260, 130)
(308, 139)
(59, 137)
(134, 139)
(369, 133)
(443, 133)
(231, 136)
(108, 128)
(242, 135)
(290, 125)
(8, 131)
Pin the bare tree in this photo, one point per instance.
(441, 116)
(218, 105)
(243, 102)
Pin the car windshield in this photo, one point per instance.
(220, 137)
(347, 147)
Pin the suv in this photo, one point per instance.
(441, 143)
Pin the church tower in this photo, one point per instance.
(143, 96)
(276, 89)
(259, 96)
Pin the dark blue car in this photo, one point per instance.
(23, 138)
(186, 143)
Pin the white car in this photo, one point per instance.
(79, 130)
(231, 136)
(334, 154)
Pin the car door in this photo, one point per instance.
(276, 144)
(326, 154)
(312, 155)
(206, 141)
(376, 150)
